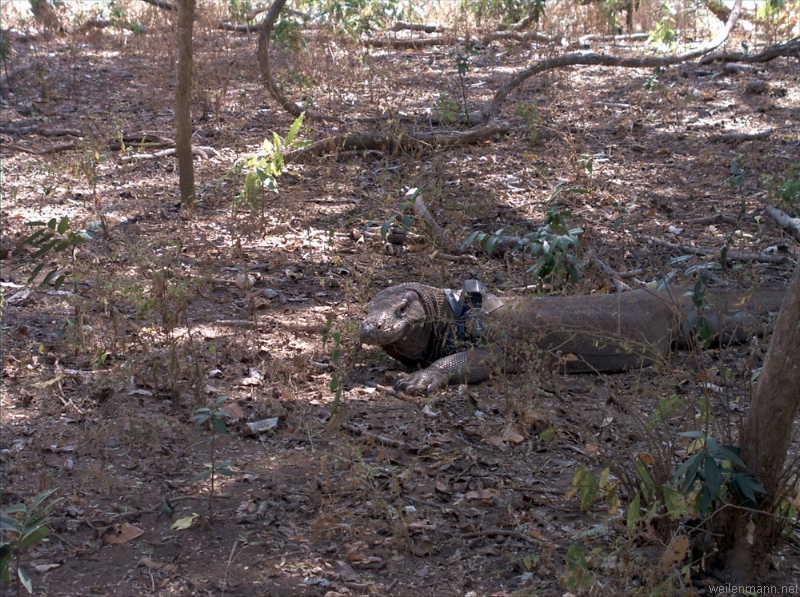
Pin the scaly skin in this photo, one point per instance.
(612, 332)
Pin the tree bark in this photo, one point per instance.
(764, 440)
(183, 101)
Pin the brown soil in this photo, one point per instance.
(466, 496)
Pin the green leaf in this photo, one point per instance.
(218, 426)
(675, 502)
(200, 476)
(712, 475)
(295, 128)
(60, 280)
(34, 273)
(729, 453)
(32, 237)
(41, 497)
(51, 224)
(693, 434)
(63, 225)
(44, 249)
(8, 523)
(49, 277)
(33, 537)
(44, 238)
(15, 508)
(201, 419)
(25, 579)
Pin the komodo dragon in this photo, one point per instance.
(463, 336)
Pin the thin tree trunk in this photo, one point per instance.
(765, 438)
(183, 101)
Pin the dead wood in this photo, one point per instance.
(11, 129)
(98, 23)
(266, 69)
(394, 393)
(726, 137)
(378, 439)
(493, 108)
(786, 48)
(129, 139)
(392, 142)
(523, 36)
(713, 219)
(730, 255)
(586, 40)
(247, 28)
(47, 151)
(788, 223)
(161, 4)
(9, 76)
(203, 152)
(437, 231)
(405, 26)
(406, 43)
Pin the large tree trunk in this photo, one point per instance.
(765, 437)
(183, 101)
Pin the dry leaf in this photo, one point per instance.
(233, 410)
(676, 552)
(483, 494)
(125, 533)
(511, 435)
(184, 523)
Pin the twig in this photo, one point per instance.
(503, 533)
(731, 255)
(381, 439)
(724, 137)
(713, 219)
(393, 392)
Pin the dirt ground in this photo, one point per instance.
(168, 309)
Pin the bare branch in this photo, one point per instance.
(604, 60)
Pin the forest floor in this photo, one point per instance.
(168, 309)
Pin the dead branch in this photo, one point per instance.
(391, 142)
(247, 28)
(203, 152)
(10, 129)
(730, 255)
(493, 107)
(406, 43)
(788, 223)
(98, 23)
(405, 26)
(392, 392)
(523, 36)
(586, 40)
(726, 137)
(713, 219)
(378, 439)
(786, 48)
(47, 151)
(438, 233)
(718, 9)
(266, 69)
(161, 4)
(8, 76)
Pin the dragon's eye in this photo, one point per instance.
(401, 310)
